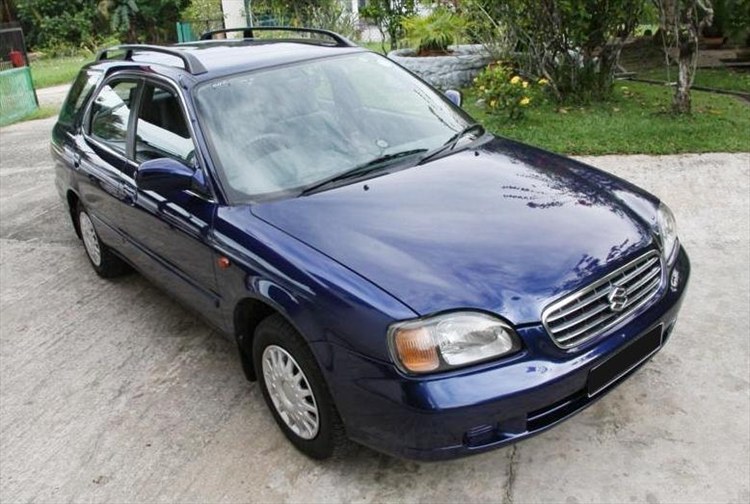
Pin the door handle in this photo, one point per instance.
(175, 211)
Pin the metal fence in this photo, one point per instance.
(17, 94)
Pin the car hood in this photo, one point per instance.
(503, 227)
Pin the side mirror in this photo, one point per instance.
(164, 175)
(454, 96)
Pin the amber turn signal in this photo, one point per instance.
(416, 349)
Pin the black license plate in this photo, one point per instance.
(623, 361)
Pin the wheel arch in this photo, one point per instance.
(248, 313)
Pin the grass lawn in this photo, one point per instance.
(47, 72)
(375, 46)
(636, 121)
(42, 112)
(717, 78)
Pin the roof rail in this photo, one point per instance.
(247, 32)
(192, 64)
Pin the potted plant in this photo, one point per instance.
(432, 35)
(434, 53)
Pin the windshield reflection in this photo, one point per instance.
(277, 131)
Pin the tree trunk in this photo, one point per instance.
(682, 21)
(681, 103)
(393, 35)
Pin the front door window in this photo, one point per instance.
(162, 130)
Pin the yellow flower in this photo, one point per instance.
(515, 80)
(525, 84)
(493, 103)
(525, 101)
(543, 82)
(481, 88)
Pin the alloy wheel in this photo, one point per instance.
(290, 392)
(90, 239)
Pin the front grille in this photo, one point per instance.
(592, 310)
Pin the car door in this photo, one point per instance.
(170, 230)
(102, 155)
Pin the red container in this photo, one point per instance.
(16, 58)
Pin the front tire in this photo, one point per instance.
(294, 389)
(102, 259)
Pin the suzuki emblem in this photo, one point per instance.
(618, 298)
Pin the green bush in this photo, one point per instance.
(434, 32)
(503, 91)
(58, 26)
(483, 28)
(575, 44)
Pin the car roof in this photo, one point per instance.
(227, 57)
(232, 55)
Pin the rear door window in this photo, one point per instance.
(110, 113)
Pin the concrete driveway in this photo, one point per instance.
(110, 391)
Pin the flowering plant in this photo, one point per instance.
(501, 90)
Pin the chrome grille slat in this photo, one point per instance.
(638, 271)
(578, 306)
(643, 281)
(632, 300)
(589, 312)
(579, 319)
(597, 322)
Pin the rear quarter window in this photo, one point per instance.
(78, 95)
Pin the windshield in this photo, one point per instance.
(281, 130)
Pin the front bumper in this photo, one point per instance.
(476, 409)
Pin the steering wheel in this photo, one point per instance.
(267, 143)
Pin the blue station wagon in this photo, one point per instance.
(390, 272)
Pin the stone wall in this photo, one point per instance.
(444, 72)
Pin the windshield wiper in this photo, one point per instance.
(362, 169)
(451, 143)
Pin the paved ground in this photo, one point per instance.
(109, 391)
(52, 96)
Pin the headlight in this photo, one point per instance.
(450, 340)
(667, 230)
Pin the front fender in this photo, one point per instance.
(322, 299)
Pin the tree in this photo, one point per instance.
(142, 20)
(388, 16)
(205, 15)
(7, 11)
(50, 24)
(574, 44)
(290, 12)
(681, 23)
(156, 20)
(120, 14)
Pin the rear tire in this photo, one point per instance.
(294, 389)
(102, 259)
